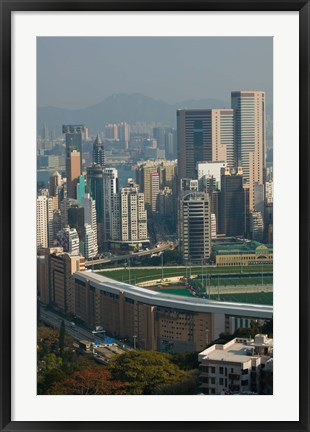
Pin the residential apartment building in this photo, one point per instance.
(55, 284)
(44, 221)
(236, 366)
(133, 216)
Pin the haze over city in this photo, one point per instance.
(76, 72)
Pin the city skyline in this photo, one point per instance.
(182, 252)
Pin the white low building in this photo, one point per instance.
(235, 367)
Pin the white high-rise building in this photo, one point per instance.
(50, 221)
(110, 189)
(133, 214)
(90, 243)
(213, 226)
(90, 221)
(154, 190)
(42, 232)
(90, 215)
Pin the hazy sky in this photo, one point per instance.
(76, 72)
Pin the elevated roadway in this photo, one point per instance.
(156, 250)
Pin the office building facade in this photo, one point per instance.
(231, 203)
(250, 136)
(195, 227)
(204, 136)
(74, 138)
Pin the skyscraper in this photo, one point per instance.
(102, 185)
(250, 136)
(195, 227)
(143, 177)
(231, 203)
(90, 216)
(90, 242)
(74, 134)
(154, 190)
(73, 172)
(45, 226)
(204, 135)
(194, 140)
(98, 152)
(133, 214)
(42, 233)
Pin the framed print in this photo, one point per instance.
(154, 215)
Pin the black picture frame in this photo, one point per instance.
(7, 7)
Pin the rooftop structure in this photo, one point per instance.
(235, 366)
(238, 252)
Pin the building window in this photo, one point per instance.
(221, 370)
(244, 382)
(245, 371)
(212, 369)
(221, 381)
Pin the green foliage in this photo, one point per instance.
(145, 371)
(172, 257)
(185, 361)
(188, 386)
(56, 358)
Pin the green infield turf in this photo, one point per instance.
(137, 275)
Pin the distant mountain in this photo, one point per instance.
(120, 107)
(117, 108)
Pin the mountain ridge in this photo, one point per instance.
(118, 107)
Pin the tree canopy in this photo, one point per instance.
(145, 371)
(90, 381)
